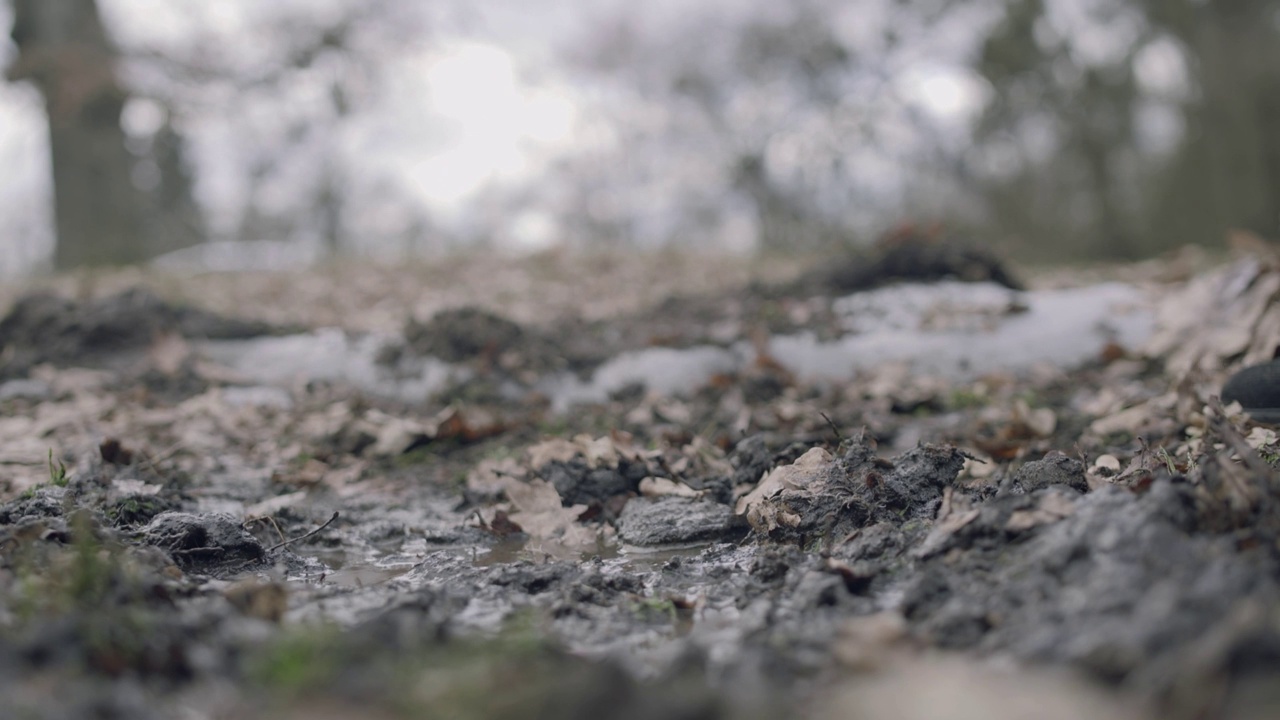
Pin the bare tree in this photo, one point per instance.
(101, 216)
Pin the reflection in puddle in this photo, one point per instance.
(504, 551)
(359, 576)
(656, 558)
(519, 547)
(348, 571)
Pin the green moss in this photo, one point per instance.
(1270, 454)
(554, 425)
(418, 456)
(966, 398)
(135, 510)
(98, 590)
(300, 660)
(421, 677)
(663, 608)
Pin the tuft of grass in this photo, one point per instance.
(57, 473)
(966, 398)
(424, 676)
(420, 455)
(99, 591)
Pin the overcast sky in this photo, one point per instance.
(477, 97)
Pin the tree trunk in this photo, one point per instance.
(101, 216)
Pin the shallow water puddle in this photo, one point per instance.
(359, 576)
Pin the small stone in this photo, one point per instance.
(206, 541)
(1257, 389)
(1053, 469)
(674, 520)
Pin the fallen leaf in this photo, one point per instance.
(796, 475)
(262, 600)
(657, 487)
(1051, 508)
(168, 353)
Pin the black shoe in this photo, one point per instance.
(1257, 389)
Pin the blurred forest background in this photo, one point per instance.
(279, 132)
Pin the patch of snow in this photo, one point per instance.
(329, 354)
(950, 329)
(963, 330)
(241, 256)
(666, 371)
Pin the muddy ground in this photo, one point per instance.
(212, 508)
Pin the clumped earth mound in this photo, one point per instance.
(46, 328)
(913, 254)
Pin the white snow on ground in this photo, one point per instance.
(963, 330)
(951, 329)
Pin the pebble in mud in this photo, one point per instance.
(649, 522)
(203, 542)
(45, 502)
(1055, 468)
(578, 483)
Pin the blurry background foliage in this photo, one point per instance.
(1057, 129)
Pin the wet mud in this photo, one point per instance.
(761, 544)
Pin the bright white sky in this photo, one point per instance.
(499, 124)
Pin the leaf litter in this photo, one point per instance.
(1098, 539)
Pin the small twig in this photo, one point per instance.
(279, 545)
(155, 461)
(1236, 441)
(264, 518)
(666, 467)
(834, 428)
(190, 552)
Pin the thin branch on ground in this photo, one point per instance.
(279, 545)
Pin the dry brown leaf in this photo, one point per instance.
(978, 465)
(258, 599)
(1051, 508)
(168, 353)
(954, 514)
(397, 435)
(1041, 421)
(544, 518)
(1132, 420)
(273, 505)
(870, 642)
(804, 470)
(657, 487)
(553, 450)
(763, 507)
(311, 473)
(489, 477)
(599, 452)
(1220, 318)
